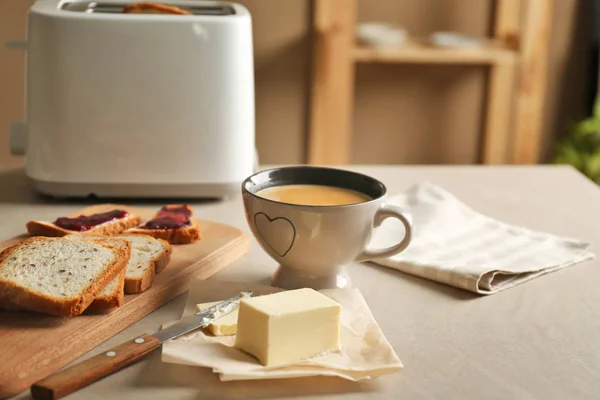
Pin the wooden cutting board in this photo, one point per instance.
(33, 346)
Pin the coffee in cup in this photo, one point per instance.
(313, 195)
(315, 220)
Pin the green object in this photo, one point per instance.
(581, 147)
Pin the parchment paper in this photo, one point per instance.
(365, 351)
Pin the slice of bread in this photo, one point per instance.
(182, 235)
(113, 294)
(110, 297)
(46, 228)
(58, 276)
(149, 256)
(186, 235)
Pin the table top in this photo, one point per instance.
(539, 340)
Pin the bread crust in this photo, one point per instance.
(100, 304)
(28, 299)
(138, 285)
(136, 8)
(162, 262)
(43, 228)
(186, 235)
(6, 305)
(117, 297)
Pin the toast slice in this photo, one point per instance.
(149, 256)
(174, 223)
(58, 276)
(110, 297)
(110, 227)
(113, 294)
(153, 8)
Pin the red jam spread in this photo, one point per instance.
(87, 222)
(170, 217)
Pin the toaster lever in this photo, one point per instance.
(18, 138)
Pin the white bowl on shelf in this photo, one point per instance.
(378, 34)
(453, 40)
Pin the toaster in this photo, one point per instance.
(138, 105)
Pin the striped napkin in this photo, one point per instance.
(457, 246)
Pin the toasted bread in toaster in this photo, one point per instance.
(110, 227)
(153, 8)
(174, 223)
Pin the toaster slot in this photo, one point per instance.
(116, 8)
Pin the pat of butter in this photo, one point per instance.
(224, 326)
(287, 327)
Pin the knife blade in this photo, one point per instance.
(80, 375)
(201, 319)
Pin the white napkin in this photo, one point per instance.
(457, 246)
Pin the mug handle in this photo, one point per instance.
(385, 212)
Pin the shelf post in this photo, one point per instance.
(501, 86)
(332, 82)
(531, 81)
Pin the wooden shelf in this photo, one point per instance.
(420, 53)
(516, 54)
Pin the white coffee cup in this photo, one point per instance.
(313, 243)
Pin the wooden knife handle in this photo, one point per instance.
(80, 375)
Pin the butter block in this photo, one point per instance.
(287, 327)
(224, 326)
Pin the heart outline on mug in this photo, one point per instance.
(271, 220)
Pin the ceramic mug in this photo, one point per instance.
(312, 244)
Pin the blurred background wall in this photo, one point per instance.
(404, 114)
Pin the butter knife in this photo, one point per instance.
(80, 375)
